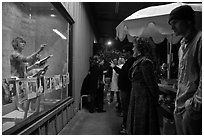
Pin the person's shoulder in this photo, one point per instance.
(15, 54)
(198, 37)
(131, 59)
(199, 33)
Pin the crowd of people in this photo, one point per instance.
(131, 78)
(134, 81)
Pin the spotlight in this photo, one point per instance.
(109, 43)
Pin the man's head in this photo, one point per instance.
(18, 43)
(121, 60)
(181, 19)
(115, 61)
(127, 50)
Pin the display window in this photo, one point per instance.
(42, 87)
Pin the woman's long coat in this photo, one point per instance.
(142, 114)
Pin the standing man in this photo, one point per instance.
(96, 84)
(188, 104)
(100, 87)
(124, 84)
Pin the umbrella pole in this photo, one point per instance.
(169, 57)
(168, 61)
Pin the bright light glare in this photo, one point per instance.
(59, 33)
(109, 43)
(52, 15)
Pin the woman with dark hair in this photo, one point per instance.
(142, 113)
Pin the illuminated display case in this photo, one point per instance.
(37, 23)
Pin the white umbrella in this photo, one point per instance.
(151, 21)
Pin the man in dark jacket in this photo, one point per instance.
(124, 84)
(96, 84)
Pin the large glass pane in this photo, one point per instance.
(37, 23)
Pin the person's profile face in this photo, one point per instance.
(121, 60)
(21, 45)
(178, 26)
(115, 61)
(135, 50)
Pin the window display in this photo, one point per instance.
(40, 84)
(22, 93)
(40, 88)
(57, 82)
(8, 90)
(47, 83)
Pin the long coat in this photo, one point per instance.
(142, 113)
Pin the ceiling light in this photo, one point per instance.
(109, 43)
(52, 15)
(30, 16)
(59, 33)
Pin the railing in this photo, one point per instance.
(50, 122)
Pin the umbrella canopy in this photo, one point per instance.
(152, 22)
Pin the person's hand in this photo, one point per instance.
(161, 98)
(42, 46)
(101, 62)
(188, 103)
(36, 57)
(112, 64)
(105, 71)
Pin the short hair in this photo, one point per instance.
(16, 41)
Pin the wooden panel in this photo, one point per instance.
(68, 113)
(72, 110)
(59, 122)
(52, 127)
(36, 132)
(64, 114)
(43, 130)
(47, 123)
(8, 108)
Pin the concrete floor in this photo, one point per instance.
(85, 123)
(107, 123)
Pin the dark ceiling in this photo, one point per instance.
(107, 15)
